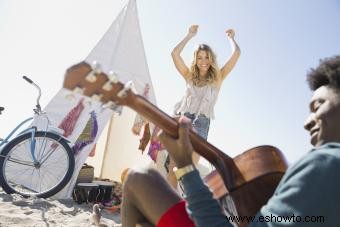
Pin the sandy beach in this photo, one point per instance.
(18, 211)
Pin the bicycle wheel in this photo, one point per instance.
(55, 166)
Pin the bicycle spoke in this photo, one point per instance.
(48, 175)
(28, 163)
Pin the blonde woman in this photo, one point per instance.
(203, 79)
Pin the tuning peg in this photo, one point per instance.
(96, 97)
(122, 93)
(96, 69)
(113, 106)
(109, 104)
(118, 109)
(112, 79)
(78, 90)
(107, 86)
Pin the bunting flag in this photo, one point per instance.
(88, 134)
(145, 138)
(139, 120)
(155, 145)
(69, 122)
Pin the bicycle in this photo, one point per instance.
(35, 163)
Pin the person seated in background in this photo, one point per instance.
(308, 192)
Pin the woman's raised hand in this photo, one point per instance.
(230, 33)
(193, 30)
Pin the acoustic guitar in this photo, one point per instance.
(249, 179)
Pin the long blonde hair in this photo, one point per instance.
(213, 74)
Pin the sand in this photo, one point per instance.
(18, 211)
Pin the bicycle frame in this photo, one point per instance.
(33, 129)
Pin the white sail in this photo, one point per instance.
(121, 51)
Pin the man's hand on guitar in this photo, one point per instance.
(180, 149)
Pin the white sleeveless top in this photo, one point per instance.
(198, 100)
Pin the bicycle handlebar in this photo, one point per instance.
(38, 110)
(28, 79)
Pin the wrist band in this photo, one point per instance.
(180, 172)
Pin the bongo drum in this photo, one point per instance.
(104, 191)
(85, 192)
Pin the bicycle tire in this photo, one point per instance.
(12, 185)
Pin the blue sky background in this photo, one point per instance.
(263, 101)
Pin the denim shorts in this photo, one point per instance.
(200, 123)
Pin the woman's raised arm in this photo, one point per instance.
(236, 52)
(176, 52)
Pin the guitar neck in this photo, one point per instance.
(222, 162)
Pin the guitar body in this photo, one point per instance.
(262, 168)
(244, 184)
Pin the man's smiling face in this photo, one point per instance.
(323, 123)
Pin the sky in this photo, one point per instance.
(264, 100)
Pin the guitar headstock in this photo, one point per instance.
(92, 82)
